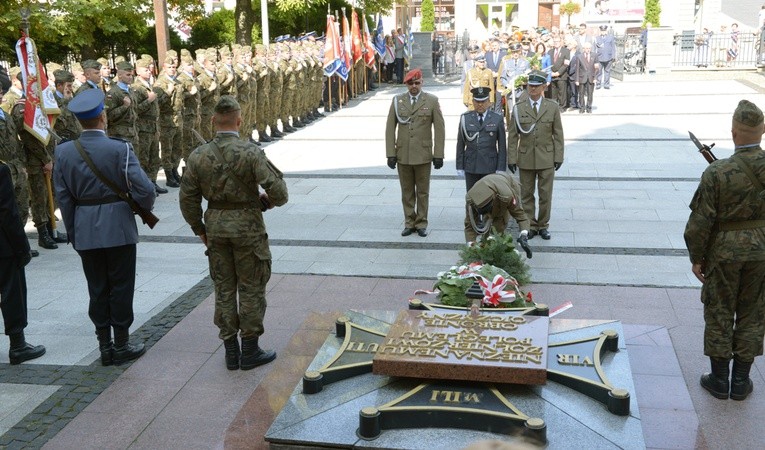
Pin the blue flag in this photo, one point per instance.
(380, 37)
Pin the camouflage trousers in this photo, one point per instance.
(286, 106)
(206, 127)
(169, 139)
(236, 269)
(148, 154)
(21, 190)
(38, 196)
(188, 141)
(734, 310)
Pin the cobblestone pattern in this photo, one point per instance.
(80, 385)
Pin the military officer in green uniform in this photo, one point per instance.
(478, 76)
(91, 69)
(208, 91)
(227, 172)
(67, 127)
(725, 236)
(121, 104)
(170, 98)
(414, 137)
(535, 147)
(147, 122)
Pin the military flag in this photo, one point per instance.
(346, 43)
(380, 37)
(40, 108)
(332, 61)
(357, 48)
(369, 48)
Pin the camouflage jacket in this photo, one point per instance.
(10, 148)
(67, 127)
(227, 80)
(36, 153)
(122, 119)
(9, 100)
(170, 100)
(148, 112)
(208, 91)
(205, 177)
(726, 194)
(190, 101)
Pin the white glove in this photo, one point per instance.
(461, 173)
(524, 233)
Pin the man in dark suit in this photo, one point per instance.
(535, 147)
(101, 227)
(560, 59)
(605, 46)
(414, 138)
(481, 145)
(493, 62)
(586, 70)
(14, 256)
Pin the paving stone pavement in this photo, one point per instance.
(619, 209)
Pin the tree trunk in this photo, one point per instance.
(244, 16)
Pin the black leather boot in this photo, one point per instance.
(176, 175)
(275, 133)
(263, 137)
(159, 189)
(717, 382)
(254, 356)
(297, 123)
(288, 128)
(21, 351)
(105, 345)
(57, 237)
(741, 385)
(170, 179)
(124, 351)
(306, 119)
(44, 240)
(317, 114)
(34, 253)
(232, 353)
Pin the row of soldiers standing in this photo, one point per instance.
(160, 115)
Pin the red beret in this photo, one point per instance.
(414, 74)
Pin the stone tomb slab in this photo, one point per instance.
(495, 348)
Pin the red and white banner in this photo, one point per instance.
(369, 48)
(346, 43)
(356, 48)
(40, 109)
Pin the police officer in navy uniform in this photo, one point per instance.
(102, 227)
(605, 47)
(481, 143)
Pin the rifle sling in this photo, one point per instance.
(244, 186)
(743, 224)
(124, 196)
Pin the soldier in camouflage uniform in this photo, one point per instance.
(263, 104)
(106, 74)
(243, 94)
(276, 83)
(14, 156)
(14, 93)
(191, 99)
(92, 73)
(147, 107)
(226, 74)
(67, 127)
(208, 91)
(226, 172)
(253, 81)
(289, 89)
(725, 236)
(121, 106)
(170, 98)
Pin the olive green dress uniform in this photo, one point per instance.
(721, 235)
(504, 193)
(240, 258)
(536, 153)
(12, 153)
(477, 78)
(147, 124)
(170, 101)
(414, 135)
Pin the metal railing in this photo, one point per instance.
(716, 50)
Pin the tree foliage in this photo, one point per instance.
(428, 22)
(652, 13)
(569, 9)
(214, 30)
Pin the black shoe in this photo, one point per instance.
(716, 382)
(44, 240)
(532, 233)
(21, 350)
(159, 189)
(606, 87)
(34, 253)
(254, 356)
(589, 110)
(582, 111)
(170, 179)
(289, 129)
(59, 238)
(317, 113)
(177, 176)
(124, 351)
(408, 231)
(296, 123)
(232, 353)
(105, 346)
(422, 232)
(741, 385)
(544, 234)
(264, 137)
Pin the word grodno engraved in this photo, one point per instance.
(460, 346)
